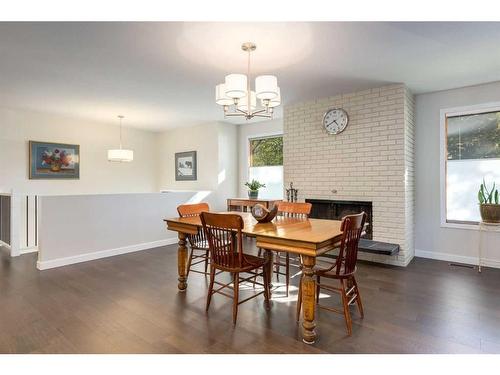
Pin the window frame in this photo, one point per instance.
(443, 138)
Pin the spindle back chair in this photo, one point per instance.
(199, 245)
(343, 269)
(224, 235)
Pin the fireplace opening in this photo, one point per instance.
(336, 210)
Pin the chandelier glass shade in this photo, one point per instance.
(120, 155)
(238, 99)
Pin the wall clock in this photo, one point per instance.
(335, 120)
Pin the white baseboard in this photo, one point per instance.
(3, 244)
(457, 258)
(47, 264)
(29, 250)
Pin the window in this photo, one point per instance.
(266, 165)
(472, 152)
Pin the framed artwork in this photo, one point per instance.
(54, 161)
(185, 166)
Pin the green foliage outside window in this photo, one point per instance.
(475, 136)
(266, 152)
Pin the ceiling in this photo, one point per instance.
(162, 75)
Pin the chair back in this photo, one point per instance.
(294, 209)
(223, 232)
(187, 210)
(352, 228)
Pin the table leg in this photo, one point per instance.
(269, 257)
(182, 255)
(308, 300)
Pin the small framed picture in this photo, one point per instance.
(54, 161)
(185, 166)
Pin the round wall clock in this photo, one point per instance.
(335, 120)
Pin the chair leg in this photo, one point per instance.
(299, 299)
(358, 298)
(347, 313)
(207, 254)
(236, 284)
(287, 272)
(259, 254)
(210, 287)
(317, 288)
(190, 260)
(278, 267)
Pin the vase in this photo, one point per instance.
(56, 167)
(490, 213)
(253, 194)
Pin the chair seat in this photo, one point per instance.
(250, 262)
(332, 274)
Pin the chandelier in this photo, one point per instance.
(237, 98)
(120, 155)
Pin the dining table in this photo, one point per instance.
(306, 237)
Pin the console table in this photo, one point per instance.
(242, 204)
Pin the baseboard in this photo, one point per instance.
(457, 258)
(7, 246)
(29, 250)
(60, 262)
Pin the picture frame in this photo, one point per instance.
(186, 166)
(53, 161)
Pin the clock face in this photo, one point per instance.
(335, 120)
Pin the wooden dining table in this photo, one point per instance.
(309, 238)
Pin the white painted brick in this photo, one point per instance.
(366, 162)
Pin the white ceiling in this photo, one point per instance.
(162, 75)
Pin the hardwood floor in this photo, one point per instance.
(130, 304)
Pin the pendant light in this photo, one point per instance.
(120, 155)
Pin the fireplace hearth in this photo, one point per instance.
(336, 210)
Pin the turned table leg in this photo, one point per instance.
(182, 255)
(269, 256)
(308, 300)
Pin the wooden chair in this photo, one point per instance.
(289, 209)
(198, 242)
(343, 269)
(224, 235)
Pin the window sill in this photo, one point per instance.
(470, 226)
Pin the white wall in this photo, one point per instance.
(245, 132)
(77, 228)
(215, 144)
(432, 240)
(97, 175)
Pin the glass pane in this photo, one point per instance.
(474, 136)
(272, 177)
(473, 144)
(266, 152)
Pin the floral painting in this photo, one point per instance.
(54, 161)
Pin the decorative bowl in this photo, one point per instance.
(262, 214)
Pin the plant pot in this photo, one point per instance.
(253, 194)
(490, 213)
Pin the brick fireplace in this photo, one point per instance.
(371, 161)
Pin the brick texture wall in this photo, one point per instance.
(372, 160)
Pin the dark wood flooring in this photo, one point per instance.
(130, 304)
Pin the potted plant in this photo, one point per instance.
(253, 188)
(489, 205)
